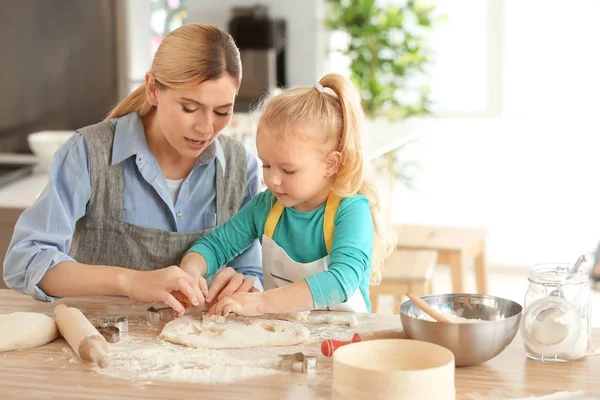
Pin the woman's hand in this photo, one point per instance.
(159, 285)
(247, 304)
(228, 282)
(185, 302)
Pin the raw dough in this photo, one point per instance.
(349, 320)
(233, 334)
(219, 319)
(295, 316)
(24, 330)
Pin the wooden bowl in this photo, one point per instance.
(397, 369)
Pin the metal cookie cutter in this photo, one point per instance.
(288, 361)
(112, 327)
(112, 334)
(119, 322)
(158, 314)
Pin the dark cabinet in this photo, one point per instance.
(58, 68)
(8, 219)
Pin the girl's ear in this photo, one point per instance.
(332, 164)
(151, 89)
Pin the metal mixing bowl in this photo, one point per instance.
(471, 343)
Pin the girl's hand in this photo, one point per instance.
(159, 285)
(247, 304)
(228, 282)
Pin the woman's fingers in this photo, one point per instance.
(174, 304)
(203, 288)
(186, 289)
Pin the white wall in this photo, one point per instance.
(531, 182)
(305, 48)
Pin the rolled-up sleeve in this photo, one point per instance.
(249, 262)
(44, 232)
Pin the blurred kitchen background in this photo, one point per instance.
(485, 107)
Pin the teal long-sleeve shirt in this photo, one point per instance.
(300, 234)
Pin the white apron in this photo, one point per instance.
(280, 270)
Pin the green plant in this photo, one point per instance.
(388, 56)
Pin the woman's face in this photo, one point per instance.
(191, 118)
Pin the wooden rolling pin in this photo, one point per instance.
(426, 308)
(329, 346)
(81, 335)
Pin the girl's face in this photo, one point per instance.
(191, 118)
(297, 173)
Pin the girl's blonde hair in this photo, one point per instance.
(331, 116)
(188, 56)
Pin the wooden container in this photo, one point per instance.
(397, 369)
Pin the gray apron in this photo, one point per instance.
(102, 238)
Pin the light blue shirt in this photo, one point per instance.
(44, 231)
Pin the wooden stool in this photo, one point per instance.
(456, 247)
(404, 272)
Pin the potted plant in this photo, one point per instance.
(385, 45)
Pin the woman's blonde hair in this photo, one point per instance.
(188, 56)
(331, 116)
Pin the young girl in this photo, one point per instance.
(322, 239)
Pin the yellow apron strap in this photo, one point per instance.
(333, 202)
(272, 219)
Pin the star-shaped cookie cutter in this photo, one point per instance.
(288, 361)
(157, 314)
(112, 327)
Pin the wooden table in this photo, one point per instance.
(45, 372)
(456, 247)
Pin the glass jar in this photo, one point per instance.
(556, 321)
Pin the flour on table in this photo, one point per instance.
(150, 359)
(144, 359)
(233, 334)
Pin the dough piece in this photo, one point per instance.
(233, 334)
(349, 320)
(219, 319)
(295, 316)
(24, 330)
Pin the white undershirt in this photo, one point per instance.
(173, 185)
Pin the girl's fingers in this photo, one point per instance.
(229, 308)
(221, 281)
(233, 286)
(247, 285)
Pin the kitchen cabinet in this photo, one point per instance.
(8, 219)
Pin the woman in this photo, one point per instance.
(126, 197)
